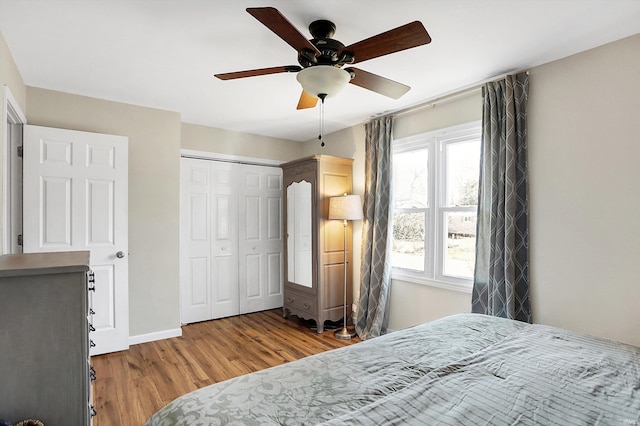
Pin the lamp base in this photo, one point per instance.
(344, 334)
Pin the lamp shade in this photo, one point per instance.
(323, 79)
(345, 207)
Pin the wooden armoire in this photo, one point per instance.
(313, 244)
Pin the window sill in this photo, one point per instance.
(461, 286)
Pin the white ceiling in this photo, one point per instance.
(163, 53)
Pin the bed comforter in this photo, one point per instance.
(466, 369)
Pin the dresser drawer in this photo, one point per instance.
(301, 302)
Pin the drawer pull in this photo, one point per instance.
(289, 299)
(306, 305)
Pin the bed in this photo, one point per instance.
(465, 369)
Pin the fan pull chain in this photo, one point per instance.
(321, 131)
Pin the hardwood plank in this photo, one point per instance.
(132, 385)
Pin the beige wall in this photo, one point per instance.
(154, 151)
(209, 139)
(10, 77)
(584, 152)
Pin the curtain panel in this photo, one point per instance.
(501, 278)
(373, 308)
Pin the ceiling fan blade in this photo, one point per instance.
(378, 84)
(259, 71)
(306, 101)
(276, 22)
(404, 37)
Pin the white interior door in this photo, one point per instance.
(195, 240)
(76, 198)
(208, 240)
(230, 239)
(224, 239)
(260, 238)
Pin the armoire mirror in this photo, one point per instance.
(299, 235)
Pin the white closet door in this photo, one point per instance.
(260, 238)
(230, 239)
(195, 239)
(224, 248)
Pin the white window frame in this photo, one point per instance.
(435, 142)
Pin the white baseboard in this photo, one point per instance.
(158, 335)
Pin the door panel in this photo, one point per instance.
(75, 191)
(224, 276)
(195, 243)
(260, 206)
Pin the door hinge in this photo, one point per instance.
(20, 151)
(20, 239)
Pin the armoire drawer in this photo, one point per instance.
(304, 303)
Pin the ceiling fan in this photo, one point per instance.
(321, 58)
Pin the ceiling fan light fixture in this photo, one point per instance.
(323, 79)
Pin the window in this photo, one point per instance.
(435, 202)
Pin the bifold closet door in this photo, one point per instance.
(208, 241)
(230, 239)
(260, 238)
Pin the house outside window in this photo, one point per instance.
(435, 206)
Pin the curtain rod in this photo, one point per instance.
(448, 96)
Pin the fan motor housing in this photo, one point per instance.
(322, 31)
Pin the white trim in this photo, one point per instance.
(11, 112)
(206, 155)
(152, 337)
(9, 99)
(398, 275)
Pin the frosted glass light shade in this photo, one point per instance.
(345, 207)
(323, 79)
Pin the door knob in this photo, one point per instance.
(120, 255)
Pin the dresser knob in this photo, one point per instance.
(289, 299)
(306, 305)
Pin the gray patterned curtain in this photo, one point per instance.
(373, 309)
(501, 279)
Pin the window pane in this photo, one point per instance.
(410, 179)
(408, 241)
(459, 259)
(463, 167)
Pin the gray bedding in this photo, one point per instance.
(461, 370)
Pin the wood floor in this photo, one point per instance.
(132, 385)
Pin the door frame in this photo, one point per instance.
(12, 115)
